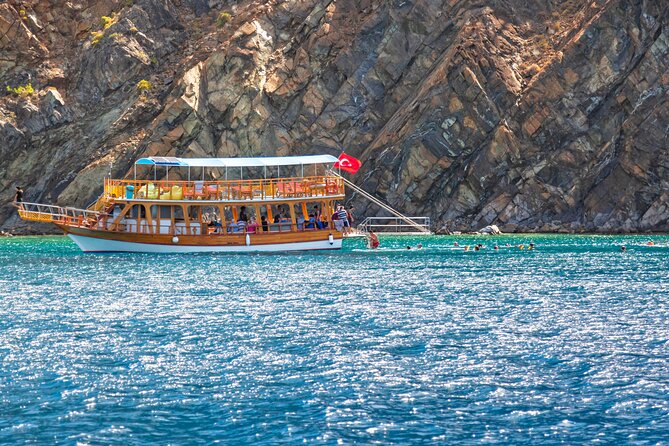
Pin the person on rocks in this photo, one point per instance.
(18, 197)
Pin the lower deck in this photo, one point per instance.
(93, 240)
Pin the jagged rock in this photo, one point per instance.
(491, 229)
(469, 113)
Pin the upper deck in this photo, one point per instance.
(280, 188)
(257, 190)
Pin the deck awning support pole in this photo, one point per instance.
(202, 173)
(167, 173)
(302, 165)
(226, 173)
(134, 178)
(189, 174)
(155, 174)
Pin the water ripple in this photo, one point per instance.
(568, 343)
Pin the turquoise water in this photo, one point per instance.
(566, 344)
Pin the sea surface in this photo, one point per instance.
(564, 344)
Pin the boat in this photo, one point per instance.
(208, 205)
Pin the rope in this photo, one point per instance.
(382, 205)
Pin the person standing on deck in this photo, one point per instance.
(18, 197)
(349, 214)
(242, 215)
(342, 216)
(317, 217)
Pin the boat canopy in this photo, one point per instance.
(263, 161)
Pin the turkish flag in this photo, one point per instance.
(347, 163)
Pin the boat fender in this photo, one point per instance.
(331, 239)
(175, 239)
(248, 240)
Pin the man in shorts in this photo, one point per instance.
(342, 216)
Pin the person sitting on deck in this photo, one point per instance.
(311, 223)
(217, 225)
(264, 223)
(252, 227)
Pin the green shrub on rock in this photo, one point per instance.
(97, 36)
(22, 91)
(144, 86)
(223, 19)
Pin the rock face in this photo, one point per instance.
(546, 116)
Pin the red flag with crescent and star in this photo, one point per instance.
(347, 163)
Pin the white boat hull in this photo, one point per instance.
(92, 244)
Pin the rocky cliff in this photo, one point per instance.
(547, 115)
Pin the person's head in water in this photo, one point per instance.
(419, 246)
(408, 247)
(623, 248)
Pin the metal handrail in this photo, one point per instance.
(396, 223)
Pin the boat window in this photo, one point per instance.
(165, 211)
(178, 213)
(137, 211)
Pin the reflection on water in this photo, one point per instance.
(567, 343)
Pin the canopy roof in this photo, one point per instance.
(237, 162)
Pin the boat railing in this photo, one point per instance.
(143, 226)
(46, 213)
(395, 225)
(225, 190)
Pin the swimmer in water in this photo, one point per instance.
(496, 248)
(408, 247)
(650, 243)
(531, 246)
(476, 248)
(466, 247)
(456, 244)
(623, 248)
(419, 246)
